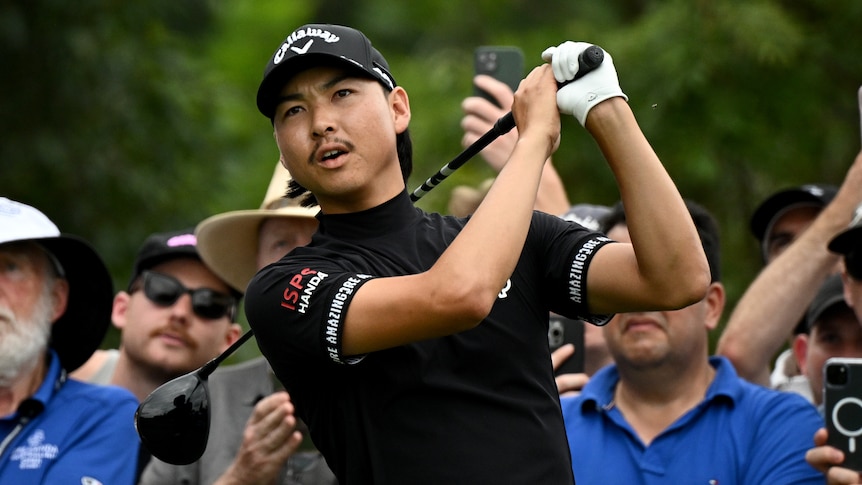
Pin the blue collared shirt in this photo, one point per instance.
(740, 433)
(70, 432)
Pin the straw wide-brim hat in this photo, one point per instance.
(227, 242)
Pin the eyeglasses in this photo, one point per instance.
(164, 291)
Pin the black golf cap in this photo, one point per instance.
(849, 239)
(165, 246)
(310, 44)
(818, 195)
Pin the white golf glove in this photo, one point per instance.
(579, 97)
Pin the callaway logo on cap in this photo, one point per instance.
(316, 44)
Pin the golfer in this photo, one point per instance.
(415, 345)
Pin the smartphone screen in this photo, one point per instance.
(842, 398)
(504, 63)
(561, 331)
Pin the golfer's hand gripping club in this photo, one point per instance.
(587, 59)
(579, 98)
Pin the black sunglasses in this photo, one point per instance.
(164, 290)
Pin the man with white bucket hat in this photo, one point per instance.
(55, 306)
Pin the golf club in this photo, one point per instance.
(174, 420)
(588, 60)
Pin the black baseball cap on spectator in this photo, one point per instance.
(850, 239)
(165, 246)
(811, 195)
(312, 43)
(849, 243)
(830, 296)
(587, 215)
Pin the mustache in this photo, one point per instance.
(177, 332)
(341, 141)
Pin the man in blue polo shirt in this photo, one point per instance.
(55, 306)
(665, 412)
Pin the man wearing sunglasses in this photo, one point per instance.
(175, 316)
(268, 448)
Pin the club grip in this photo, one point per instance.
(588, 60)
(591, 58)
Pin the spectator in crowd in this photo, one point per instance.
(775, 302)
(832, 330)
(404, 323)
(55, 305)
(175, 316)
(250, 440)
(776, 223)
(848, 244)
(666, 412)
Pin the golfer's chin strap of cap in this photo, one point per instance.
(27, 410)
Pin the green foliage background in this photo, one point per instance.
(119, 119)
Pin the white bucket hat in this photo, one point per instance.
(80, 329)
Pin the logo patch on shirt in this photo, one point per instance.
(31, 455)
(576, 271)
(298, 293)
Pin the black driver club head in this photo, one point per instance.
(174, 420)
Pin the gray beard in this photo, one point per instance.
(24, 340)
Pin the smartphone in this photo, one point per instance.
(842, 398)
(504, 63)
(561, 331)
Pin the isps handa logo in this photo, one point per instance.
(301, 287)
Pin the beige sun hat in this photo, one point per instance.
(227, 242)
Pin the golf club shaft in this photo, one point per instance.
(210, 366)
(588, 60)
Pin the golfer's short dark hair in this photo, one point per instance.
(704, 222)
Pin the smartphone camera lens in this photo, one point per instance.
(488, 60)
(555, 333)
(836, 374)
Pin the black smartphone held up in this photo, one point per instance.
(504, 63)
(842, 398)
(561, 331)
